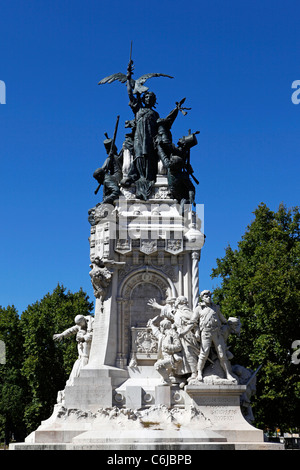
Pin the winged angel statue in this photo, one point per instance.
(145, 131)
(142, 101)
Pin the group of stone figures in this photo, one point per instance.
(188, 339)
(149, 142)
(192, 346)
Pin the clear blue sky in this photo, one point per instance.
(234, 61)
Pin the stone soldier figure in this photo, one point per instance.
(210, 320)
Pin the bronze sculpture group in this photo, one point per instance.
(149, 143)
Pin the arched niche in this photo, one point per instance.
(134, 293)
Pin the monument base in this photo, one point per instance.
(209, 418)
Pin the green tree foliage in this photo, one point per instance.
(260, 283)
(12, 384)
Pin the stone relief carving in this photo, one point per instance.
(164, 270)
(123, 245)
(101, 276)
(99, 212)
(128, 268)
(174, 246)
(162, 193)
(148, 246)
(144, 345)
(154, 417)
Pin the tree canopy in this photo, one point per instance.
(12, 383)
(260, 283)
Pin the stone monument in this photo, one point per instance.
(154, 368)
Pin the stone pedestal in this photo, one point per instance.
(219, 406)
(94, 388)
(209, 417)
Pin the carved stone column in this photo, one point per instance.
(195, 278)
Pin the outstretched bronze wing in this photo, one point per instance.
(139, 88)
(145, 77)
(112, 78)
